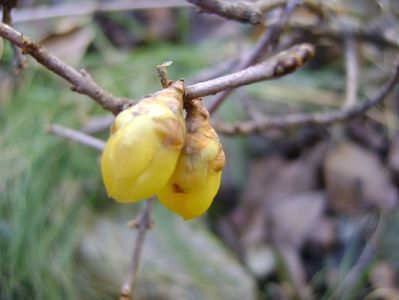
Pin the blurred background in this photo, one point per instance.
(306, 213)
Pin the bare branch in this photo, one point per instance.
(249, 12)
(267, 43)
(90, 7)
(352, 72)
(240, 11)
(316, 7)
(143, 224)
(77, 136)
(81, 81)
(97, 124)
(314, 119)
(276, 66)
(20, 62)
(338, 32)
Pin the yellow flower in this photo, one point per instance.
(196, 179)
(146, 139)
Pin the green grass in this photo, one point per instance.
(42, 192)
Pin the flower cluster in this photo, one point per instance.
(154, 150)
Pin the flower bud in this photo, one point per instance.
(146, 139)
(196, 179)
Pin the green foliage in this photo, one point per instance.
(42, 194)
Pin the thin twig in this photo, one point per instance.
(249, 12)
(338, 32)
(77, 136)
(97, 124)
(162, 71)
(313, 119)
(143, 224)
(90, 7)
(352, 72)
(318, 8)
(240, 11)
(276, 66)
(81, 81)
(267, 43)
(19, 61)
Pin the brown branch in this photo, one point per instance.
(276, 66)
(316, 7)
(338, 32)
(81, 81)
(77, 136)
(352, 72)
(143, 224)
(97, 124)
(19, 61)
(314, 119)
(240, 11)
(250, 12)
(267, 43)
(90, 7)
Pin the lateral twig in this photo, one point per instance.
(77, 136)
(19, 61)
(247, 11)
(352, 71)
(316, 7)
(72, 9)
(267, 43)
(143, 224)
(276, 66)
(240, 11)
(81, 80)
(338, 32)
(314, 119)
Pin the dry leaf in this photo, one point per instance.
(270, 181)
(293, 218)
(383, 275)
(356, 179)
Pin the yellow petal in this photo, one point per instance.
(196, 179)
(191, 196)
(146, 140)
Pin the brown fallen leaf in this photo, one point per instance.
(356, 179)
(270, 181)
(382, 275)
(293, 218)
